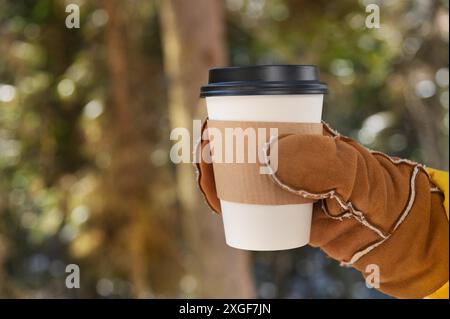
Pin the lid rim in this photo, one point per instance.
(262, 66)
(262, 92)
(264, 80)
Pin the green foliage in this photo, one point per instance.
(55, 123)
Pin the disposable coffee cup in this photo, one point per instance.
(266, 93)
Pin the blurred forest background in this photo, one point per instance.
(85, 117)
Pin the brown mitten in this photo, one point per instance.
(371, 210)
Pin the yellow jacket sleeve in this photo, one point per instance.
(440, 179)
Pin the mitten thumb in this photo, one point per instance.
(316, 165)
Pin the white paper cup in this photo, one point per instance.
(268, 93)
(266, 227)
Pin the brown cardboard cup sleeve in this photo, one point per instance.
(238, 177)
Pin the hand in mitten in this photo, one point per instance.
(371, 209)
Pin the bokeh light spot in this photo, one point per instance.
(66, 88)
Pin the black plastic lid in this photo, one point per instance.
(264, 80)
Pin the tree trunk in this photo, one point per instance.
(193, 42)
(125, 146)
